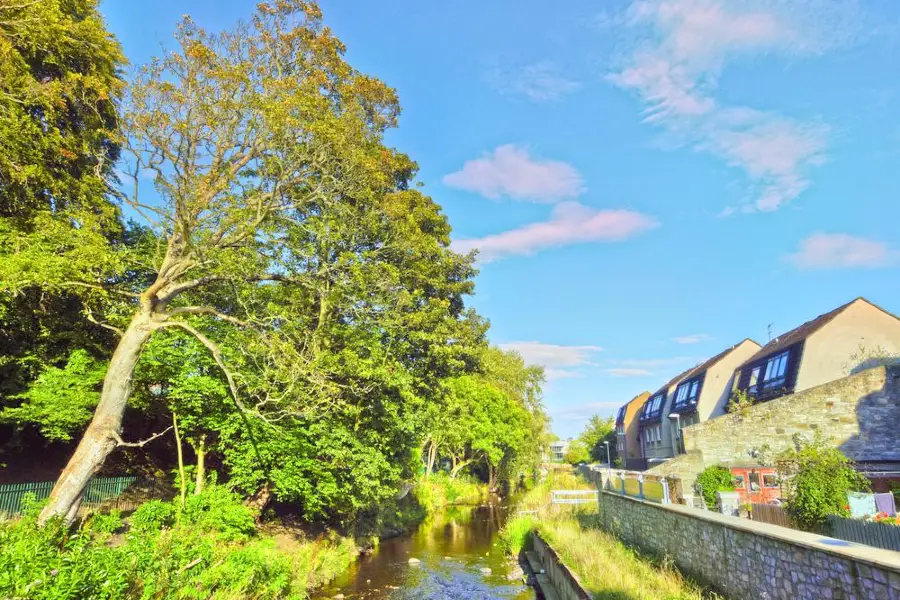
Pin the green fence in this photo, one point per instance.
(100, 492)
(879, 535)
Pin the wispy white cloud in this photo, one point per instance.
(511, 172)
(585, 411)
(570, 223)
(540, 82)
(675, 66)
(842, 251)
(694, 338)
(559, 362)
(629, 372)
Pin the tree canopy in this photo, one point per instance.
(280, 289)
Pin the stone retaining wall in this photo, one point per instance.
(859, 413)
(564, 581)
(748, 560)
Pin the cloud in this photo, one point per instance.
(628, 372)
(558, 361)
(694, 338)
(584, 411)
(539, 82)
(570, 223)
(510, 171)
(842, 251)
(674, 68)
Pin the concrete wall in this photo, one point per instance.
(716, 390)
(860, 413)
(745, 559)
(827, 353)
(564, 581)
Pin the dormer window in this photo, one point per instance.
(776, 371)
(769, 377)
(686, 394)
(652, 410)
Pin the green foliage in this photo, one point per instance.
(740, 402)
(61, 400)
(151, 516)
(577, 452)
(819, 477)
(516, 534)
(714, 479)
(597, 431)
(441, 490)
(190, 560)
(218, 509)
(107, 523)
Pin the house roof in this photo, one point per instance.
(786, 340)
(642, 397)
(696, 370)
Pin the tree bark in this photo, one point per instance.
(458, 467)
(432, 457)
(180, 453)
(99, 437)
(200, 450)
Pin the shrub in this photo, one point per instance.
(221, 510)
(820, 479)
(105, 523)
(712, 480)
(152, 516)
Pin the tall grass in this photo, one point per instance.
(439, 490)
(609, 569)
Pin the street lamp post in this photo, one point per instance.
(608, 461)
(678, 439)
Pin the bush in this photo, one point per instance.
(218, 509)
(152, 516)
(712, 480)
(820, 479)
(107, 523)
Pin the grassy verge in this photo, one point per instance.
(210, 549)
(608, 568)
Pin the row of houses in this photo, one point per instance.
(839, 343)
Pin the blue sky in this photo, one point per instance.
(648, 182)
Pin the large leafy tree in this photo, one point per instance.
(283, 236)
(59, 85)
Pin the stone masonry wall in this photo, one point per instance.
(745, 559)
(861, 413)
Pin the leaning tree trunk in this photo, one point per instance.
(100, 438)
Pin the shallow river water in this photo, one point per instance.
(455, 548)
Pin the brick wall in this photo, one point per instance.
(861, 413)
(749, 560)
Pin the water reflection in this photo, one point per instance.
(460, 558)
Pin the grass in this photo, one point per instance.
(609, 569)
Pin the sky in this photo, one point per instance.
(648, 182)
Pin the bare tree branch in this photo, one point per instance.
(90, 317)
(121, 443)
(100, 287)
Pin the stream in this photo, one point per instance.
(460, 558)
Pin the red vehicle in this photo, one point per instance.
(756, 484)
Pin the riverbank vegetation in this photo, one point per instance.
(606, 567)
(210, 547)
(217, 268)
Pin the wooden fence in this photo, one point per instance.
(770, 513)
(865, 532)
(101, 492)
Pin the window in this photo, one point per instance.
(776, 371)
(770, 480)
(738, 482)
(620, 417)
(754, 481)
(754, 380)
(652, 410)
(686, 394)
(658, 429)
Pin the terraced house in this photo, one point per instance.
(628, 439)
(851, 338)
(698, 394)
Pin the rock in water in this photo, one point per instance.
(485, 570)
(414, 561)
